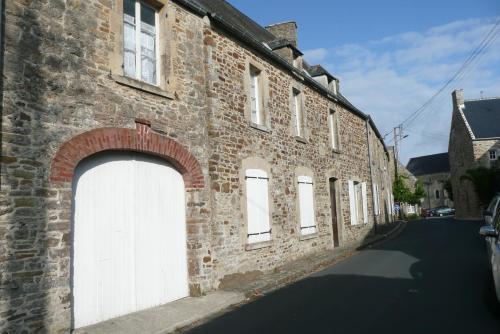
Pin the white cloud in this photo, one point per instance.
(392, 77)
(315, 55)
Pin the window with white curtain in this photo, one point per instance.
(255, 97)
(376, 199)
(306, 205)
(297, 112)
(257, 184)
(334, 137)
(140, 28)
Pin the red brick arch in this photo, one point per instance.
(141, 139)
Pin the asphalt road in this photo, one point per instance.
(433, 278)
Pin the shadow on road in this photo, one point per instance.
(433, 278)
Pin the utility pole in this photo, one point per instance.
(396, 151)
(398, 136)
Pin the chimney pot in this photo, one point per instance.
(286, 30)
(458, 98)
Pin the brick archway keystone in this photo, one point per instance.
(141, 139)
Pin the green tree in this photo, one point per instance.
(419, 193)
(401, 192)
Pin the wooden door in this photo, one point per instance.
(129, 246)
(333, 205)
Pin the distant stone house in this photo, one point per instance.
(152, 149)
(434, 172)
(474, 142)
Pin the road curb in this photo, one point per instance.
(341, 254)
(260, 290)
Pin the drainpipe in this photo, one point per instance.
(371, 173)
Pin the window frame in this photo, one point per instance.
(334, 129)
(255, 163)
(492, 155)
(262, 230)
(166, 50)
(357, 188)
(297, 113)
(138, 30)
(263, 95)
(256, 93)
(306, 184)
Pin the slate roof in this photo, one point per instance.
(429, 164)
(483, 117)
(236, 18)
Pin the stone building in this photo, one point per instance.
(152, 149)
(434, 172)
(474, 142)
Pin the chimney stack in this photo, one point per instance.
(458, 99)
(285, 30)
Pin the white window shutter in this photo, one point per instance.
(352, 203)
(365, 203)
(257, 206)
(306, 205)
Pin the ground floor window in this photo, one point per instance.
(306, 205)
(257, 195)
(357, 202)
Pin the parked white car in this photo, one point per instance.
(490, 232)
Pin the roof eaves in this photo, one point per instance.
(467, 125)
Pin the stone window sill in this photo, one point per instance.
(258, 245)
(301, 139)
(260, 127)
(142, 86)
(309, 236)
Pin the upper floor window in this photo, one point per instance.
(297, 112)
(140, 44)
(255, 96)
(376, 199)
(437, 194)
(493, 154)
(334, 136)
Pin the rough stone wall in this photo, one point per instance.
(56, 86)
(233, 140)
(437, 182)
(461, 152)
(381, 176)
(481, 152)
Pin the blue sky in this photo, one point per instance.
(391, 56)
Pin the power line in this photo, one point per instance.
(460, 73)
(483, 45)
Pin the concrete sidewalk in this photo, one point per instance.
(244, 287)
(168, 317)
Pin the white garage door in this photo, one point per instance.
(129, 236)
